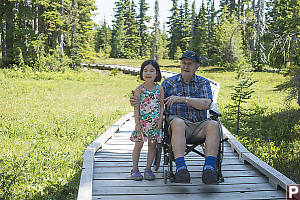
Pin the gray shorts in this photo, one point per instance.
(192, 128)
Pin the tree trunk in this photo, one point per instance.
(41, 25)
(238, 117)
(35, 20)
(156, 27)
(61, 38)
(10, 29)
(2, 33)
(73, 30)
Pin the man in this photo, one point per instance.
(188, 97)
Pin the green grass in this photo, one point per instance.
(46, 121)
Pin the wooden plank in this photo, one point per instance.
(188, 162)
(104, 154)
(85, 186)
(194, 175)
(126, 141)
(206, 196)
(144, 156)
(275, 177)
(180, 189)
(190, 168)
(159, 182)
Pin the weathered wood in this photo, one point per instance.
(120, 169)
(143, 163)
(182, 189)
(194, 175)
(85, 186)
(159, 182)
(275, 177)
(207, 196)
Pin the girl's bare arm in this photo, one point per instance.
(137, 110)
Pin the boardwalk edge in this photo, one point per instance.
(86, 178)
(276, 178)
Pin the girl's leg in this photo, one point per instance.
(136, 154)
(150, 154)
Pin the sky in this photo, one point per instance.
(105, 9)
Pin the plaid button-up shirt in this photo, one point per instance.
(198, 87)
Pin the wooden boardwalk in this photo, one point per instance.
(107, 164)
(112, 165)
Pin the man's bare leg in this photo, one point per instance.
(178, 137)
(211, 133)
(178, 143)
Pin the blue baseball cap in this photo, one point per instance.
(190, 55)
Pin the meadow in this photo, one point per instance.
(46, 121)
(48, 118)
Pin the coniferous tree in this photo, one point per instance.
(186, 26)
(46, 26)
(200, 39)
(174, 30)
(126, 41)
(143, 19)
(102, 39)
(211, 27)
(118, 31)
(229, 42)
(242, 92)
(193, 18)
(132, 40)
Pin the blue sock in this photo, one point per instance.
(210, 163)
(180, 164)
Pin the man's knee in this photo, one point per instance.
(212, 127)
(177, 124)
(213, 124)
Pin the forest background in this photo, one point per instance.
(47, 40)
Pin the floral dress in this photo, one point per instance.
(149, 116)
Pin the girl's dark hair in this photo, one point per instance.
(155, 65)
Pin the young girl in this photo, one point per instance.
(148, 117)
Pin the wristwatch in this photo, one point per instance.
(187, 99)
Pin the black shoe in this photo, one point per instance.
(209, 177)
(182, 176)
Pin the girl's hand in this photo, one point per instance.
(159, 124)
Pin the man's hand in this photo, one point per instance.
(174, 99)
(134, 101)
